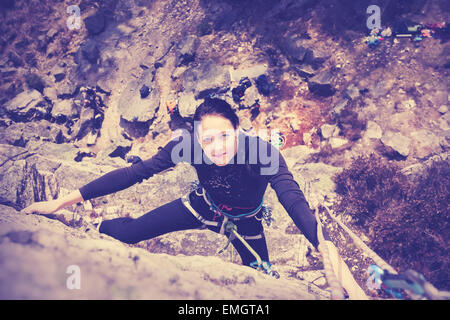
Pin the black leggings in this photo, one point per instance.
(174, 216)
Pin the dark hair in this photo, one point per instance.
(219, 107)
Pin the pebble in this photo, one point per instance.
(443, 109)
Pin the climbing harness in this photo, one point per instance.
(412, 282)
(266, 215)
(265, 209)
(227, 226)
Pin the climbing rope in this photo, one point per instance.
(337, 293)
(375, 257)
(259, 264)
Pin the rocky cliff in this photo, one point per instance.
(84, 92)
(40, 258)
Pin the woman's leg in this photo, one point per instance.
(172, 216)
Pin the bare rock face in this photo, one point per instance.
(44, 259)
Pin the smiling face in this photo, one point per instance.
(218, 138)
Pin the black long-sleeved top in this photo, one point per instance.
(241, 183)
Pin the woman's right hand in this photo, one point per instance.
(43, 207)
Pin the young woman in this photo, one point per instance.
(233, 171)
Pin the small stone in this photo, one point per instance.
(52, 32)
(327, 130)
(177, 72)
(59, 77)
(444, 122)
(406, 105)
(336, 142)
(295, 124)
(443, 109)
(337, 109)
(51, 93)
(187, 105)
(305, 70)
(91, 138)
(352, 92)
(144, 91)
(373, 131)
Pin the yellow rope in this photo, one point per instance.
(375, 257)
(337, 292)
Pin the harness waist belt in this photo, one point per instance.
(186, 202)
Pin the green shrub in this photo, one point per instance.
(414, 233)
(367, 186)
(407, 222)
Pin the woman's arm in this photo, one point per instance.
(110, 182)
(293, 200)
(51, 206)
(70, 199)
(122, 178)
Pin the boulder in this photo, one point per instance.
(26, 106)
(132, 107)
(95, 23)
(249, 72)
(21, 133)
(187, 104)
(33, 176)
(425, 143)
(301, 49)
(321, 84)
(397, 142)
(208, 77)
(185, 50)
